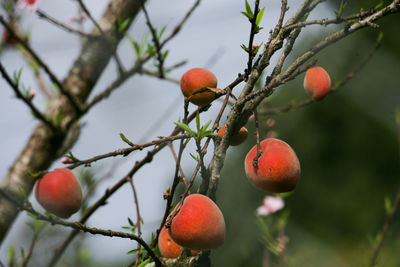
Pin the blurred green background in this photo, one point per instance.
(349, 153)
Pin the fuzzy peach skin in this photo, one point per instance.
(196, 79)
(59, 192)
(199, 224)
(317, 83)
(278, 167)
(237, 138)
(167, 246)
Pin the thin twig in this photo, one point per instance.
(183, 177)
(127, 151)
(64, 26)
(86, 10)
(31, 248)
(253, 32)
(278, 26)
(138, 220)
(384, 230)
(326, 21)
(27, 101)
(157, 45)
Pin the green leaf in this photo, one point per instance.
(248, 10)
(58, 118)
(304, 18)
(34, 65)
(342, 8)
(31, 214)
(259, 16)
(244, 48)
(388, 205)
(151, 50)
(37, 226)
(33, 175)
(161, 32)
(130, 222)
(186, 128)
(84, 255)
(11, 253)
(378, 6)
(165, 54)
(132, 251)
(22, 192)
(257, 29)
(205, 126)
(126, 140)
(123, 25)
(143, 44)
(247, 15)
(71, 156)
(17, 76)
(186, 141)
(194, 157)
(207, 133)
(380, 37)
(23, 253)
(134, 44)
(144, 263)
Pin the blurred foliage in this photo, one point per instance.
(349, 152)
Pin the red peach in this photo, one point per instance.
(196, 79)
(317, 83)
(278, 168)
(168, 247)
(237, 138)
(199, 224)
(59, 192)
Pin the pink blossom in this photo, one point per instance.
(66, 160)
(252, 117)
(33, 93)
(270, 205)
(31, 5)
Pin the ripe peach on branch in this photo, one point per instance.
(168, 247)
(198, 224)
(197, 84)
(277, 169)
(237, 138)
(317, 83)
(59, 192)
